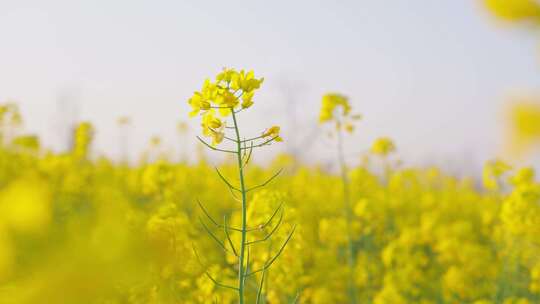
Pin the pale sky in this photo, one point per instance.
(433, 75)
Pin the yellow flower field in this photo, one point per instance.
(76, 229)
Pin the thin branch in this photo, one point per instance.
(212, 147)
(270, 219)
(218, 283)
(228, 236)
(207, 214)
(236, 198)
(213, 235)
(260, 227)
(266, 142)
(226, 181)
(259, 291)
(269, 234)
(208, 274)
(243, 146)
(282, 247)
(272, 260)
(246, 161)
(231, 139)
(247, 263)
(252, 139)
(266, 182)
(295, 300)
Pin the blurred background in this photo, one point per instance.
(454, 84)
(436, 76)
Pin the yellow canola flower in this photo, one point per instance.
(273, 133)
(198, 103)
(226, 99)
(226, 75)
(213, 127)
(245, 81)
(202, 101)
(330, 104)
(383, 146)
(336, 108)
(232, 91)
(225, 93)
(247, 100)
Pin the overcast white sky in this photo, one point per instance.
(431, 74)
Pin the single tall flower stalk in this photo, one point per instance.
(231, 93)
(336, 108)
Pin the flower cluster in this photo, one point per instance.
(231, 91)
(383, 146)
(336, 108)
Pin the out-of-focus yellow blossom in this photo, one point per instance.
(336, 108)
(514, 300)
(515, 10)
(534, 286)
(7, 255)
(182, 127)
(10, 115)
(383, 146)
(389, 294)
(483, 301)
(123, 120)
(331, 103)
(155, 141)
(10, 122)
(524, 176)
(28, 142)
(25, 206)
(525, 125)
(84, 134)
(493, 171)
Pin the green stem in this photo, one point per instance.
(241, 272)
(348, 217)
